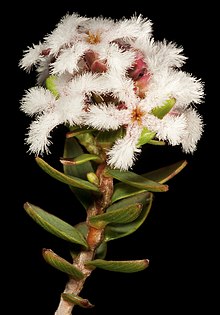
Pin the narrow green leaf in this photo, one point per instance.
(136, 180)
(70, 180)
(82, 227)
(72, 149)
(55, 225)
(61, 264)
(77, 300)
(161, 111)
(160, 175)
(80, 159)
(114, 231)
(121, 215)
(127, 266)
(163, 174)
(123, 190)
(146, 136)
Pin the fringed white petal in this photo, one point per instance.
(194, 131)
(171, 83)
(68, 59)
(37, 100)
(118, 61)
(38, 137)
(124, 152)
(131, 28)
(120, 86)
(162, 55)
(106, 117)
(31, 57)
(171, 129)
(86, 83)
(70, 109)
(64, 33)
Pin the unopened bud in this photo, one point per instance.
(93, 178)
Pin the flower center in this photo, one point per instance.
(137, 115)
(93, 38)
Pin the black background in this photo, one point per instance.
(179, 235)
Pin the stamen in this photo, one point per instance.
(93, 38)
(137, 115)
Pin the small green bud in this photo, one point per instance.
(93, 178)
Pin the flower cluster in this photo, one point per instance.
(109, 74)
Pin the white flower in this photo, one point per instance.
(110, 74)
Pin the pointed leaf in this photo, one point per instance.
(161, 111)
(61, 264)
(81, 159)
(77, 300)
(121, 215)
(114, 231)
(160, 175)
(72, 149)
(127, 266)
(123, 190)
(136, 180)
(55, 225)
(146, 136)
(163, 174)
(70, 180)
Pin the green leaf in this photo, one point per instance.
(80, 159)
(136, 180)
(127, 266)
(77, 300)
(161, 111)
(156, 142)
(114, 231)
(72, 149)
(163, 174)
(70, 180)
(146, 136)
(55, 225)
(121, 215)
(51, 85)
(122, 191)
(101, 251)
(61, 264)
(160, 175)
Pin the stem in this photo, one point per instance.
(94, 239)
